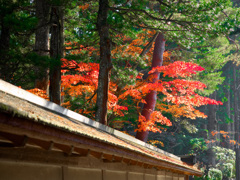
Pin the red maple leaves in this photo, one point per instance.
(178, 97)
(178, 69)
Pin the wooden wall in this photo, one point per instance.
(18, 170)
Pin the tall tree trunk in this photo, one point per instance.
(4, 47)
(212, 126)
(5, 36)
(41, 42)
(236, 122)
(230, 126)
(56, 53)
(232, 104)
(105, 62)
(228, 105)
(5, 41)
(151, 98)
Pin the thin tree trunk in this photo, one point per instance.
(230, 125)
(4, 47)
(41, 42)
(5, 36)
(5, 43)
(56, 53)
(151, 98)
(232, 105)
(228, 104)
(212, 126)
(105, 62)
(236, 122)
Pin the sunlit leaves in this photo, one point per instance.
(39, 92)
(152, 124)
(178, 69)
(178, 95)
(80, 80)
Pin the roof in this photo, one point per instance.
(43, 120)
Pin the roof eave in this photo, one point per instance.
(50, 133)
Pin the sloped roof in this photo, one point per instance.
(32, 113)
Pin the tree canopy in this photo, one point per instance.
(135, 65)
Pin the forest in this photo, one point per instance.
(164, 71)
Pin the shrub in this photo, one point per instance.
(215, 174)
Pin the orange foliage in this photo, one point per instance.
(224, 134)
(178, 69)
(214, 133)
(233, 142)
(150, 125)
(86, 80)
(181, 110)
(134, 49)
(84, 7)
(154, 142)
(180, 97)
(76, 48)
(39, 92)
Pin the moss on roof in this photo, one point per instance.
(24, 109)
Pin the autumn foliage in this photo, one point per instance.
(177, 93)
(39, 92)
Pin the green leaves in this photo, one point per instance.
(198, 144)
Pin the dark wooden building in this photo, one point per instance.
(40, 140)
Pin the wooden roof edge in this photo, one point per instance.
(25, 95)
(31, 129)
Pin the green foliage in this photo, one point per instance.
(215, 174)
(17, 28)
(225, 165)
(225, 161)
(197, 29)
(211, 54)
(198, 145)
(227, 170)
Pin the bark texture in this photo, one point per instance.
(5, 36)
(236, 122)
(5, 40)
(151, 98)
(228, 127)
(212, 126)
(105, 62)
(41, 42)
(56, 53)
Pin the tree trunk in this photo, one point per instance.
(236, 122)
(41, 42)
(212, 126)
(151, 98)
(5, 36)
(4, 47)
(5, 41)
(228, 104)
(56, 53)
(232, 104)
(105, 62)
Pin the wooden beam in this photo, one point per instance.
(17, 140)
(65, 148)
(71, 151)
(50, 147)
(24, 141)
(60, 136)
(81, 152)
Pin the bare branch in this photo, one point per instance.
(149, 15)
(149, 45)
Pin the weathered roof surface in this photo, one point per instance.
(20, 103)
